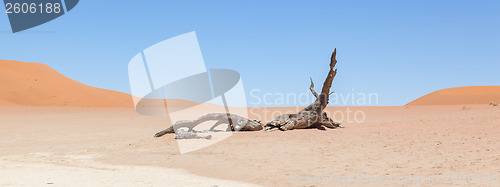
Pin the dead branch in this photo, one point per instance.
(238, 123)
(312, 88)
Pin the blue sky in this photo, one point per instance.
(400, 50)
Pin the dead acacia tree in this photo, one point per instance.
(311, 116)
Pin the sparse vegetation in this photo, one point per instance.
(494, 103)
(466, 107)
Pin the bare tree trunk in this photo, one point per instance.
(234, 121)
(311, 116)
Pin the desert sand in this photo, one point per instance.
(460, 96)
(114, 146)
(57, 131)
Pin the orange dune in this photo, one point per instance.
(4, 103)
(460, 96)
(36, 84)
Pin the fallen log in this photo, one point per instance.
(311, 116)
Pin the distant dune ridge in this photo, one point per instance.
(460, 96)
(36, 84)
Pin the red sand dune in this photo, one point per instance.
(460, 96)
(36, 84)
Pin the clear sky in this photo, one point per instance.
(400, 50)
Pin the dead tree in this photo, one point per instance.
(311, 116)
